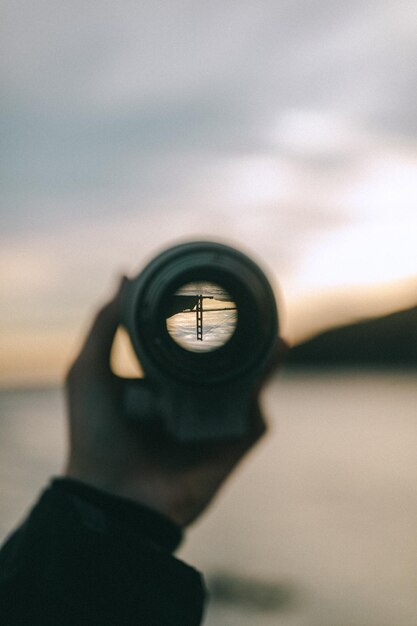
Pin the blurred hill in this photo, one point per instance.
(386, 341)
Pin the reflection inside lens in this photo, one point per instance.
(201, 316)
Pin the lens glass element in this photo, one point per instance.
(201, 316)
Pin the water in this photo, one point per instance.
(217, 318)
(318, 526)
(217, 329)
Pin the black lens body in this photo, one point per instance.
(206, 394)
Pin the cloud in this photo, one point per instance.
(287, 127)
(92, 91)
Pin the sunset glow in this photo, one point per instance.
(298, 147)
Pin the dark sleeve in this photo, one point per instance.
(83, 557)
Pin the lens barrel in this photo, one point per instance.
(203, 322)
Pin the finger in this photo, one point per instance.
(276, 360)
(258, 424)
(97, 346)
(278, 356)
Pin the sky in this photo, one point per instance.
(287, 128)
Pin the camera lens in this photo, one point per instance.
(203, 321)
(201, 312)
(201, 316)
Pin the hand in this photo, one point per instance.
(113, 453)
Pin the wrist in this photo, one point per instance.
(156, 495)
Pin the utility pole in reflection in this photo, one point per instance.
(199, 318)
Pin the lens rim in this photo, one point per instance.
(257, 320)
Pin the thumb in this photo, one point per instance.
(95, 353)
